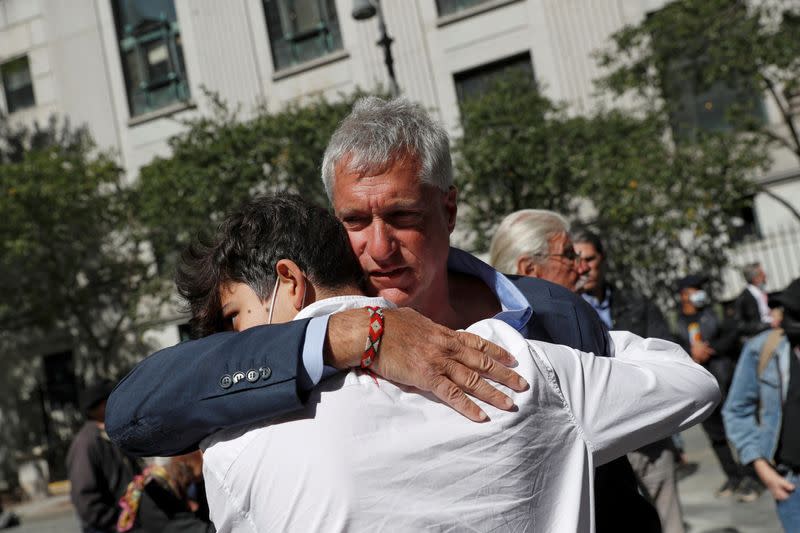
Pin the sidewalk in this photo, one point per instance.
(707, 514)
(50, 515)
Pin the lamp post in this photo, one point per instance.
(365, 10)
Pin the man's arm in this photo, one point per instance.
(178, 396)
(91, 500)
(741, 406)
(649, 390)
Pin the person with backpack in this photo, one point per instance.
(762, 411)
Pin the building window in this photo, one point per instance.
(301, 30)
(17, 84)
(745, 223)
(693, 108)
(448, 7)
(152, 54)
(474, 82)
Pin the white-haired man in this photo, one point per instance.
(536, 243)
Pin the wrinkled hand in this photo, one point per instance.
(777, 485)
(702, 352)
(417, 352)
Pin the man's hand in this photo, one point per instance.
(416, 351)
(775, 483)
(702, 352)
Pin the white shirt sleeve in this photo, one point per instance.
(649, 390)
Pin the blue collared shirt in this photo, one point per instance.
(515, 311)
(603, 308)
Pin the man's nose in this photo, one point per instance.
(381, 243)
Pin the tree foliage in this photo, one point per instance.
(751, 48)
(72, 277)
(68, 266)
(513, 153)
(662, 208)
(220, 160)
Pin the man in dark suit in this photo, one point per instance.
(388, 173)
(629, 310)
(751, 309)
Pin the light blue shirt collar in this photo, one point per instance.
(602, 308)
(516, 311)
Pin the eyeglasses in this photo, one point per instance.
(569, 254)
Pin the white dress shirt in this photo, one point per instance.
(368, 455)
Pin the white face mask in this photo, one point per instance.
(699, 299)
(275, 297)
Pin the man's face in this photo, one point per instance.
(560, 266)
(760, 277)
(399, 229)
(593, 278)
(241, 307)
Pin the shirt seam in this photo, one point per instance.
(235, 504)
(552, 380)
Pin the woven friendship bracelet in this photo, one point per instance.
(374, 337)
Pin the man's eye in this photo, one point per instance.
(404, 220)
(355, 222)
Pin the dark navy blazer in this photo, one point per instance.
(175, 398)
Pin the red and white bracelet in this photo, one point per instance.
(374, 337)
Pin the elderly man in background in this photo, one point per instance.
(625, 309)
(753, 314)
(537, 243)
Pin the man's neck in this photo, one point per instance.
(599, 292)
(469, 300)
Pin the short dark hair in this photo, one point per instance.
(581, 234)
(249, 243)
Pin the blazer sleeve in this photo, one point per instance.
(562, 317)
(178, 396)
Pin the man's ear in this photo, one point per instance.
(293, 282)
(451, 206)
(527, 267)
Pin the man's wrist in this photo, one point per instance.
(344, 342)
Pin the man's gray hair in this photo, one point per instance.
(525, 233)
(379, 132)
(750, 271)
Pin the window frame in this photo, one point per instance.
(143, 97)
(490, 70)
(327, 33)
(12, 105)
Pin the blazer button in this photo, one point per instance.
(265, 371)
(226, 381)
(237, 377)
(252, 376)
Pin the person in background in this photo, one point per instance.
(167, 497)
(99, 471)
(715, 345)
(753, 314)
(762, 412)
(536, 243)
(625, 309)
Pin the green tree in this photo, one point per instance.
(220, 160)
(513, 153)
(662, 208)
(692, 51)
(71, 275)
